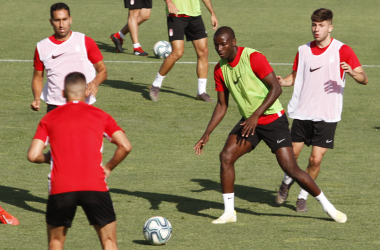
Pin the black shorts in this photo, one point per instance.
(51, 107)
(192, 27)
(319, 134)
(98, 207)
(138, 4)
(275, 134)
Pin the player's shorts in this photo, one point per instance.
(192, 27)
(319, 134)
(97, 206)
(51, 107)
(275, 134)
(138, 4)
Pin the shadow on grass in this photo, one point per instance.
(376, 127)
(142, 242)
(18, 197)
(142, 88)
(251, 194)
(194, 206)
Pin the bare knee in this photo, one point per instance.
(315, 162)
(203, 53)
(56, 244)
(226, 159)
(176, 54)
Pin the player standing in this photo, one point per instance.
(318, 77)
(64, 52)
(247, 75)
(139, 12)
(75, 132)
(184, 18)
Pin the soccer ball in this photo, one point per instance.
(157, 230)
(162, 49)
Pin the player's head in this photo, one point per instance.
(61, 20)
(225, 43)
(75, 87)
(321, 24)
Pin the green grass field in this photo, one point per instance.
(162, 176)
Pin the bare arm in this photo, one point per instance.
(171, 7)
(101, 76)
(214, 20)
(37, 86)
(219, 112)
(358, 73)
(287, 81)
(35, 152)
(274, 92)
(123, 149)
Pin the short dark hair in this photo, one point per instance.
(58, 6)
(321, 15)
(74, 78)
(225, 30)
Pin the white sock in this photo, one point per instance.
(326, 205)
(229, 205)
(136, 45)
(303, 194)
(202, 82)
(287, 179)
(158, 81)
(121, 35)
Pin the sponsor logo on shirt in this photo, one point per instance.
(311, 70)
(237, 80)
(53, 57)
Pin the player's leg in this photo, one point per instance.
(134, 20)
(287, 182)
(107, 235)
(56, 237)
(178, 47)
(287, 162)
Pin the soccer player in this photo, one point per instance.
(184, 18)
(139, 12)
(319, 74)
(7, 218)
(247, 75)
(64, 52)
(75, 132)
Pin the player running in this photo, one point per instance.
(184, 18)
(139, 12)
(75, 132)
(64, 52)
(247, 75)
(318, 77)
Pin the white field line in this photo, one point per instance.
(159, 62)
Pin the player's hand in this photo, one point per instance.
(280, 80)
(214, 22)
(347, 68)
(200, 144)
(35, 105)
(172, 9)
(107, 172)
(249, 126)
(92, 89)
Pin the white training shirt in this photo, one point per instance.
(60, 60)
(318, 87)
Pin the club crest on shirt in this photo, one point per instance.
(171, 32)
(132, 2)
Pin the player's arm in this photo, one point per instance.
(35, 152)
(123, 148)
(101, 76)
(214, 20)
(171, 7)
(37, 86)
(219, 112)
(358, 73)
(274, 92)
(287, 81)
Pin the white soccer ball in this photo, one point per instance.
(157, 230)
(162, 49)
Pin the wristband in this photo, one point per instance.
(169, 2)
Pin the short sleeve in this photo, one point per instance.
(38, 64)
(260, 65)
(41, 132)
(219, 80)
(93, 52)
(110, 127)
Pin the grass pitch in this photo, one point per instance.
(162, 176)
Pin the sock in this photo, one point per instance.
(287, 179)
(326, 205)
(121, 35)
(303, 194)
(158, 81)
(229, 205)
(136, 45)
(202, 85)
